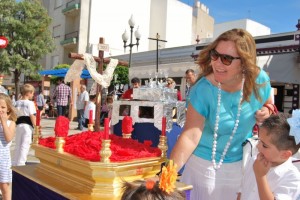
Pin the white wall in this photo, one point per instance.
(255, 28)
(110, 19)
(179, 24)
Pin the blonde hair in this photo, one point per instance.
(27, 88)
(246, 48)
(171, 82)
(11, 111)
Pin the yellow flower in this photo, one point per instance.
(168, 177)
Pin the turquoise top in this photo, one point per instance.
(203, 98)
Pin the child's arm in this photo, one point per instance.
(261, 167)
(33, 119)
(9, 131)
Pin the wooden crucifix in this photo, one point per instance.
(100, 60)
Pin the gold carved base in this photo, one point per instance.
(126, 135)
(162, 145)
(96, 179)
(36, 135)
(91, 127)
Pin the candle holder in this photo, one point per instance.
(60, 143)
(91, 127)
(126, 135)
(36, 135)
(105, 151)
(162, 145)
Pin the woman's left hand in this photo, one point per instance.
(261, 115)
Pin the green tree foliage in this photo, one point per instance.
(25, 24)
(122, 73)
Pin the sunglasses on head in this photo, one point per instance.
(226, 59)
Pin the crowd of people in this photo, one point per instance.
(224, 102)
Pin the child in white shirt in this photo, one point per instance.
(90, 106)
(269, 172)
(26, 112)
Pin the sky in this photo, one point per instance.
(279, 15)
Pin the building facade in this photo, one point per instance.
(78, 24)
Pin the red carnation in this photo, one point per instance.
(61, 126)
(127, 125)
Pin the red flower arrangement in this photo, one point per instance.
(87, 146)
(61, 126)
(127, 125)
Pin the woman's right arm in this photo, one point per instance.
(189, 138)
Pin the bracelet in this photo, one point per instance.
(273, 110)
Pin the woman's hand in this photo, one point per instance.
(261, 115)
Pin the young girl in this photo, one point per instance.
(7, 131)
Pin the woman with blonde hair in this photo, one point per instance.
(225, 103)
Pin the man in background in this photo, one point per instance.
(82, 101)
(128, 94)
(191, 78)
(63, 96)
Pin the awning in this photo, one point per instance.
(62, 73)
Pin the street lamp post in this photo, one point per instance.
(137, 34)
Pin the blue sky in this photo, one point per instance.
(279, 15)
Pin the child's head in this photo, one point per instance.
(92, 98)
(276, 143)
(164, 189)
(148, 190)
(27, 90)
(109, 99)
(10, 109)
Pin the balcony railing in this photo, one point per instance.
(70, 38)
(72, 8)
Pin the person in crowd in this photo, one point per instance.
(7, 132)
(128, 94)
(13, 98)
(190, 77)
(269, 172)
(90, 106)
(225, 103)
(106, 108)
(144, 190)
(171, 84)
(164, 189)
(26, 112)
(63, 96)
(82, 101)
(40, 102)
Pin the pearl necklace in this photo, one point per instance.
(214, 146)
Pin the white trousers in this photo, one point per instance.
(23, 141)
(209, 184)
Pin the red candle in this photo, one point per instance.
(38, 118)
(106, 128)
(91, 117)
(127, 125)
(163, 128)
